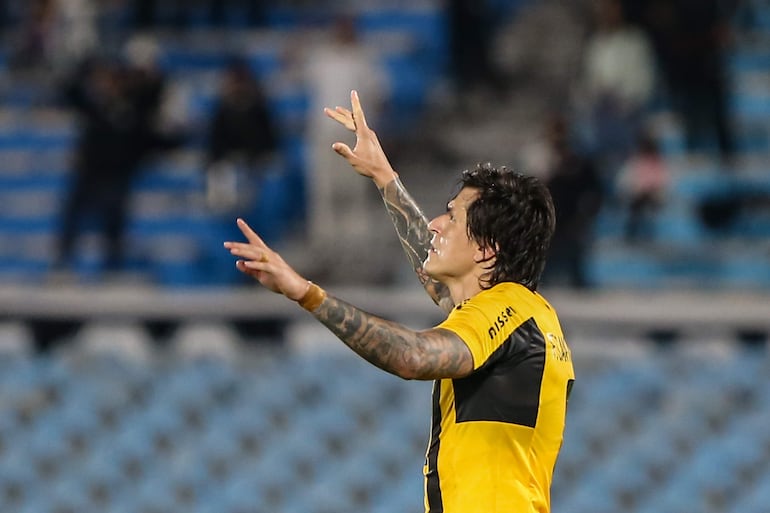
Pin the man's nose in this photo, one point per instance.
(433, 225)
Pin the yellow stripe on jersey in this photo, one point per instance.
(496, 433)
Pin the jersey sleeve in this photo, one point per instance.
(483, 326)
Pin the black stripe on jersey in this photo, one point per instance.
(506, 388)
(432, 485)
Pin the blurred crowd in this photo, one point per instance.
(101, 59)
(640, 57)
(596, 149)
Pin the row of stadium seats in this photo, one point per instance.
(232, 426)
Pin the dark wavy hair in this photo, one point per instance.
(514, 215)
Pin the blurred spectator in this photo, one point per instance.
(33, 39)
(161, 101)
(75, 35)
(118, 106)
(338, 208)
(577, 196)
(691, 38)
(146, 87)
(104, 159)
(3, 16)
(147, 15)
(243, 139)
(471, 35)
(56, 34)
(617, 86)
(642, 185)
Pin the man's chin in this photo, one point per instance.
(428, 268)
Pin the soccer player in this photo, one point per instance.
(502, 369)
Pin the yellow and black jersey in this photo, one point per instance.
(497, 432)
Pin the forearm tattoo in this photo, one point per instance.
(431, 354)
(413, 233)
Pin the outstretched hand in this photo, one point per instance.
(265, 265)
(368, 157)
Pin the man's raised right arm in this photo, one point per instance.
(369, 159)
(412, 229)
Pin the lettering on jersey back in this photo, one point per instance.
(559, 349)
(502, 319)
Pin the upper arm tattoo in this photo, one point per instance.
(413, 233)
(410, 354)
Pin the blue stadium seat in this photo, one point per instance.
(593, 495)
(756, 498)
(154, 494)
(19, 484)
(404, 493)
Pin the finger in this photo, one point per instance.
(252, 267)
(344, 150)
(244, 247)
(347, 115)
(241, 266)
(344, 119)
(345, 112)
(358, 112)
(250, 253)
(250, 234)
(256, 265)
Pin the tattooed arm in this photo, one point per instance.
(369, 159)
(429, 354)
(410, 354)
(413, 233)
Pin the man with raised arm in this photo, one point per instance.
(502, 369)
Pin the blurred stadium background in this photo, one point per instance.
(172, 385)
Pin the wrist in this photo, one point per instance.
(383, 179)
(312, 298)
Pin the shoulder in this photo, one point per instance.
(504, 292)
(512, 300)
(505, 300)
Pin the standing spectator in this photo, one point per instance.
(104, 160)
(338, 208)
(642, 186)
(242, 147)
(699, 74)
(691, 37)
(242, 139)
(471, 36)
(577, 196)
(617, 86)
(118, 107)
